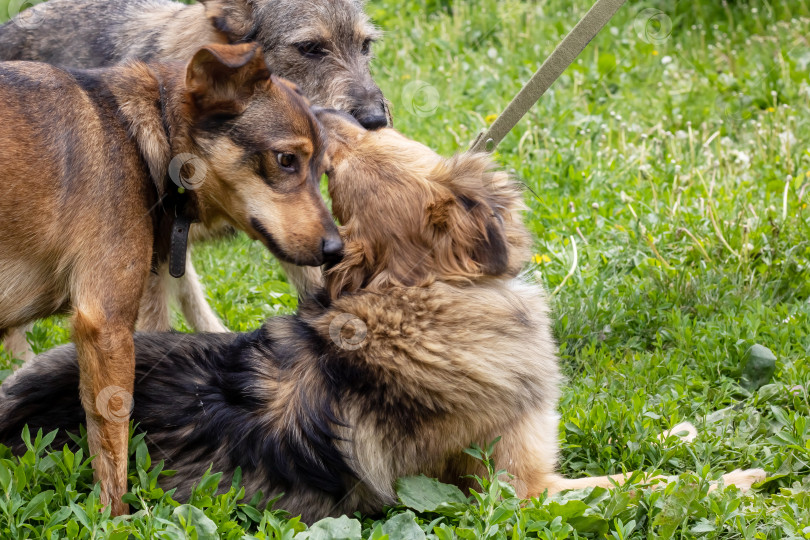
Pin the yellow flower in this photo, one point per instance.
(770, 109)
(541, 259)
(655, 53)
(807, 174)
(804, 206)
(406, 77)
(491, 118)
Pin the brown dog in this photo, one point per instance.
(425, 340)
(324, 46)
(101, 168)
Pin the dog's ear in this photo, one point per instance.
(468, 237)
(233, 18)
(475, 220)
(220, 79)
(352, 272)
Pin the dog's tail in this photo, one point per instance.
(43, 394)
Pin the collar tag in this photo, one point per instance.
(179, 246)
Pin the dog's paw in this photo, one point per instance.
(744, 479)
(685, 431)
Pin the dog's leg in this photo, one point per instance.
(154, 311)
(536, 476)
(307, 280)
(106, 354)
(193, 303)
(742, 479)
(106, 291)
(153, 315)
(16, 343)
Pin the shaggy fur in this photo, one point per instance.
(324, 46)
(424, 340)
(88, 198)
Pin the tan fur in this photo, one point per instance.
(96, 33)
(83, 195)
(425, 339)
(448, 322)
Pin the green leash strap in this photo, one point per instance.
(562, 57)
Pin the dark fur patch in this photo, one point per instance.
(219, 399)
(493, 252)
(48, 401)
(214, 412)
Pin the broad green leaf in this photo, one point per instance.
(759, 365)
(703, 526)
(570, 509)
(403, 527)
(592, 524)
(187, 515)
(425, 494)
(342, 528)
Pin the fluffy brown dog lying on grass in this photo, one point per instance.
(424, 340)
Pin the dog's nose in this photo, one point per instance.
(372, 121)
(332, 250)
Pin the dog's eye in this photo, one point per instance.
(311, 49)
(286, 161)
(366, 49)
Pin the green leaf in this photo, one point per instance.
(251, 512)
(570, 509)
(190, 516)
(425, 494)
(5, 478)
(592, 524)
(342, 528)
(466, 534)
(443, 532)
(675, 509)
(59, 516)
(703, 526)
(80, 514)
(378, 534)
(35, 506)
(501, 514)
(72, 529)
(403, 527)
(759, 365)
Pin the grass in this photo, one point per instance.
(673, 156)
